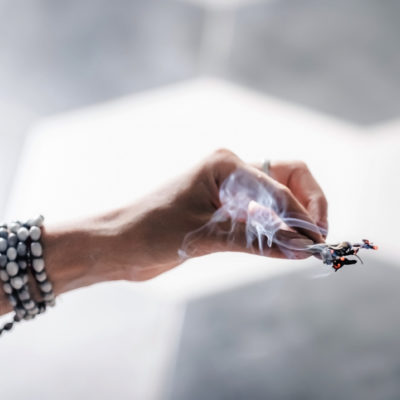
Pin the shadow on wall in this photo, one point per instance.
(58, 55)
(339, 57)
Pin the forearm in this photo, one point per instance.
(76, 255)
(84, 252)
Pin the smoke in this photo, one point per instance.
(248, 204)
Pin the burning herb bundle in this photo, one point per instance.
(265, 214)
(337, 255)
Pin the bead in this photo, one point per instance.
(7, 288)
(16, 318)
(8, 326)
(51, 303)
(13, 301)
(22, 234)
(27, 317)
(41, 277)
(21, 249)
(38, 221)
(16, 282)
(20, 312)
(3, 275)
(29, 305)
(12, 253)
(3, 260)
(36, 249)
(12, 240)
(22, 264)
(3, 233)
(49, 297)
(46, 287)
(34, 311)
(38, 264)
(3, 245)
(14, 226)
(24, 295)
(35, 233)
(12, 268)
(25, 279)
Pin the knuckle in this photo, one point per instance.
(223, 152)
(223, 158)
(320, 199)
(324, 201)
(299, 164)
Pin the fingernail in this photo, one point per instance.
(299, 244)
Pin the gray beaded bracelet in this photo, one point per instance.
(21, 253)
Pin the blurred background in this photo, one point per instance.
(338, 57)
(336, 60)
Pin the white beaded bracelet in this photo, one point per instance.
(21, 254)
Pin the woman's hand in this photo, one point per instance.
(143, 240)
(157, 226)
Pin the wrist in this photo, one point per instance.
(79, 254)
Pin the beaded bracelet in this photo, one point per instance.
(21, 254)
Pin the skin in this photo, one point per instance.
(141, 240)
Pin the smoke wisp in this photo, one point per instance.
(248, 205)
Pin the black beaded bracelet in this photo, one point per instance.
(21, 254)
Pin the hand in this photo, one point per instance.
(143, 240)
(164, 220)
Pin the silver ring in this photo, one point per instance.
(266, 165)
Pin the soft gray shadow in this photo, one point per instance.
(56, 55)
(295, 338)
(337, 56)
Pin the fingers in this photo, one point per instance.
(264, 222)
(244, 236)
(318, 209)
(291, 211)
(297, 194)
(298, 178)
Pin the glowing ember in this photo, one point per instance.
(336, 254)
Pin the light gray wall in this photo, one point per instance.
(339, 57)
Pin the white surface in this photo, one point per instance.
(95, 159)
(107, 342)
(15, 123)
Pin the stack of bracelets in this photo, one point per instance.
(21, 254)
